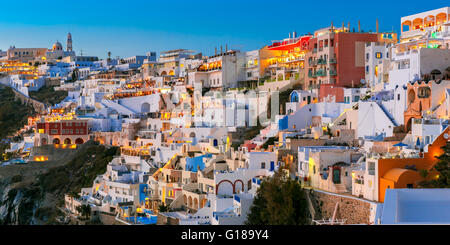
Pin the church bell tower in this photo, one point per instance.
(69, 42)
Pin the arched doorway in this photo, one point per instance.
(43, 141)
(79, 141)
(195, 203)
(145, 107)
(411, 96)
(203, 202)
(67, 141)
(225, 187)
(56, 141)
(190, 202)
(337, 175)
(408, 124)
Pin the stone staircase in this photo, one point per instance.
(340, 188)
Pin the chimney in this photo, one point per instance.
(331, 26)
(359, 26)
(289, 35)
(377, 26)
(294, 34)
(226, 48)
(343, 25)
(348, 26)
(215, 51)
(221, 50)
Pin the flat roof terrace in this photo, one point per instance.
(416, 206)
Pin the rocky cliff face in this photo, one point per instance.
(31, 193)
(18, 206)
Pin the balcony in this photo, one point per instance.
(314, 50)
(333, 73)
(333, 61)
(312, 74)
(321, 73)
(321, 61)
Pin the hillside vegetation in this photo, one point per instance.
(13, 115)
(48, 95)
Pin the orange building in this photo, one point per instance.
(394, 173)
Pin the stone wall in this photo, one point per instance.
(37, 105)
(166, 220)
(354, 210)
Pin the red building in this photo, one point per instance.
(335, 58)
(62, 132)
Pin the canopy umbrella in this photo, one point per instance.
(401, 144)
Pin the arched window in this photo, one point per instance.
(411, 96)
(424, 92)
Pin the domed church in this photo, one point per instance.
(57, 52)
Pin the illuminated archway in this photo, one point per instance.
(428, 21)
(56, 141)
(417, 23)
(203, 202)
(67, 141)
(441, 18)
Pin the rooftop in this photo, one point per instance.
(416, 206)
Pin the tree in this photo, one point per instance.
(279, 201)
(164, 208)
(84, 210)
(442, 179)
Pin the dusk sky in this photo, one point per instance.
(128, 28)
